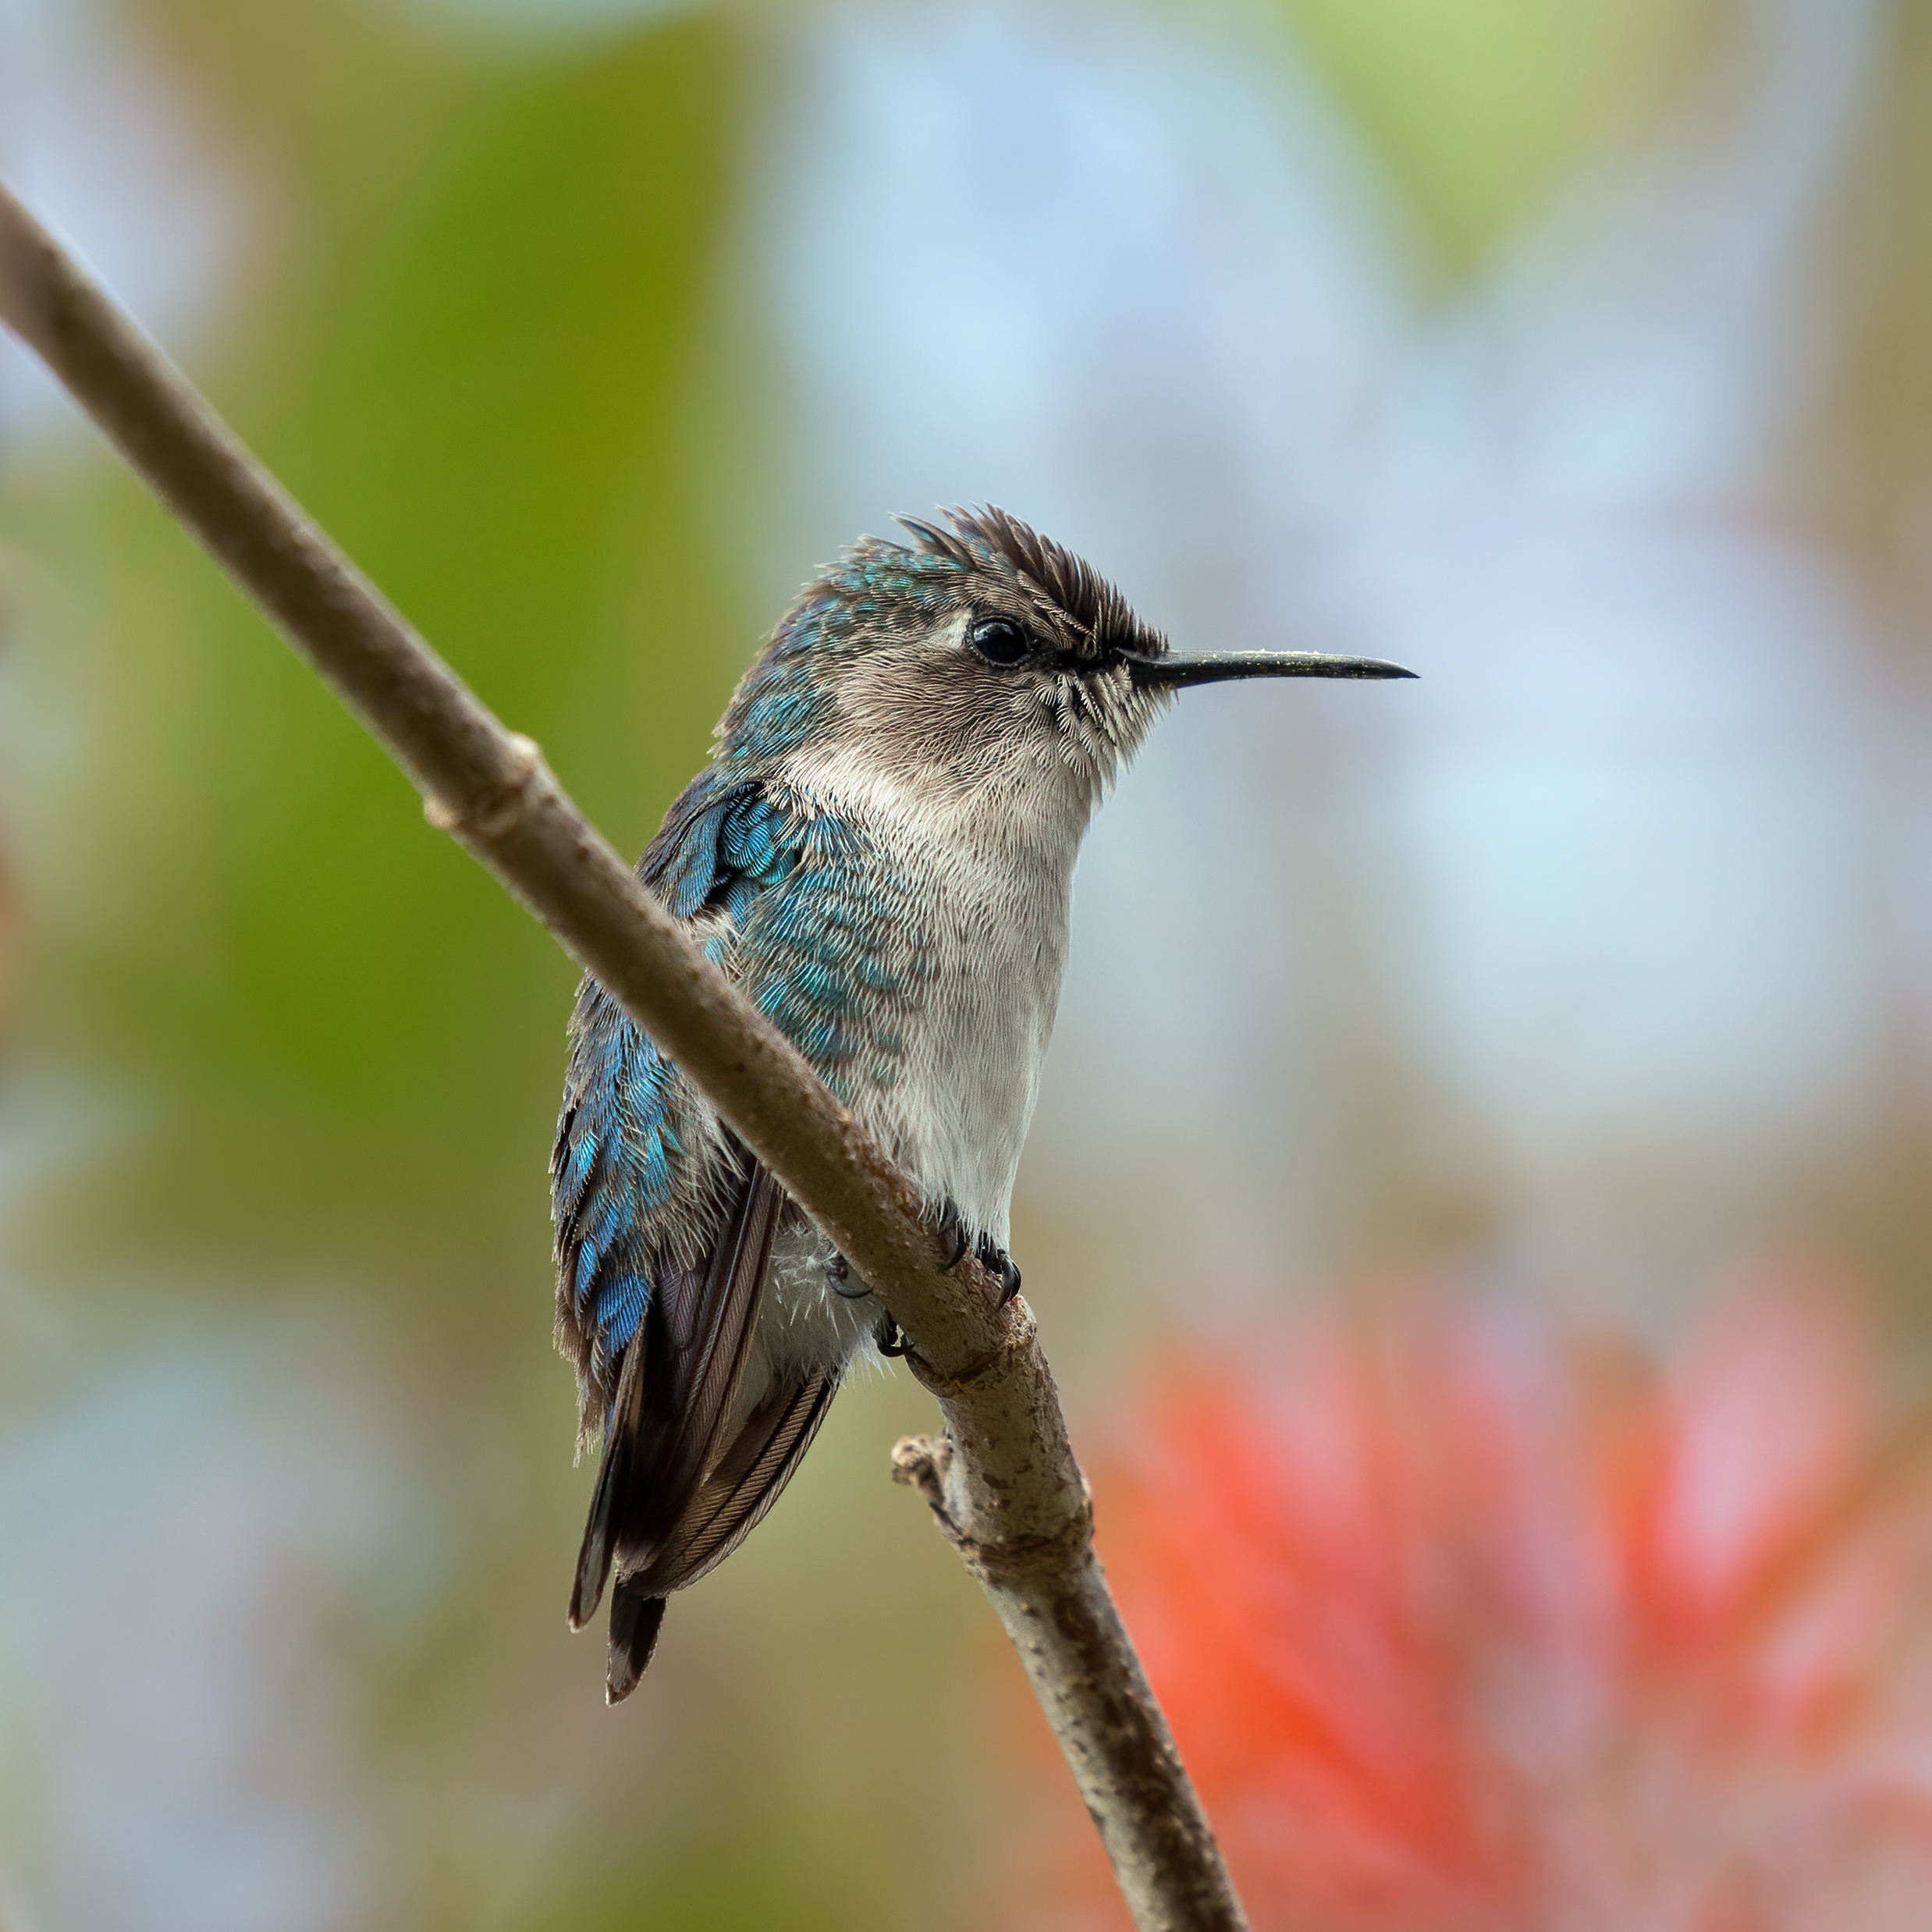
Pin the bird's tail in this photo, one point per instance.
(635, 1620)
(668, 1429)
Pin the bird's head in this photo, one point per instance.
(978, 659)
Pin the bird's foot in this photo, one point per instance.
(949, 1225)
(890, 1339)
(998, 1263)
(840, 1279)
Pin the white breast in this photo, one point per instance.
(993, 885)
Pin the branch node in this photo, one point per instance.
(920, 1462)
(923, 1463)
(496, 813)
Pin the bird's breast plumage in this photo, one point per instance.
(988, 897)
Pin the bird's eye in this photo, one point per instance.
(999, 640)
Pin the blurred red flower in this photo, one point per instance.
(1465, 1625)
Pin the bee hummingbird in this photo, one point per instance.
(880, 852)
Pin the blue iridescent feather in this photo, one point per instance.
(796, 906)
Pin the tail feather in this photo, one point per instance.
(635, 1620)
(613, 1478)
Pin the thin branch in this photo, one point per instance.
(1002, 1480)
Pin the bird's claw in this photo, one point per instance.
(998, 1263)
(950, 1224)
(891, 1339)
(838, 1272)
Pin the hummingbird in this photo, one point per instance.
(880, 853)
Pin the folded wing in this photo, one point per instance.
(664, 1230)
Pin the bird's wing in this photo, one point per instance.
(666, 1435)
(734, 1496)
(642, 1178)
(664, 1225)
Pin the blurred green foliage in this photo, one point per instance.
(486, 365)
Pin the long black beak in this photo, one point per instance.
(1213, 667)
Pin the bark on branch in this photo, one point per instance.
(1002, 1480)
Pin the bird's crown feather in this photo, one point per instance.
(880, 591)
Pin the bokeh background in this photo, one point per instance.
(1579, 356)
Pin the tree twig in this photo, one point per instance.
(1002, 1480)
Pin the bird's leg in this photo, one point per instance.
(998, 1263)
